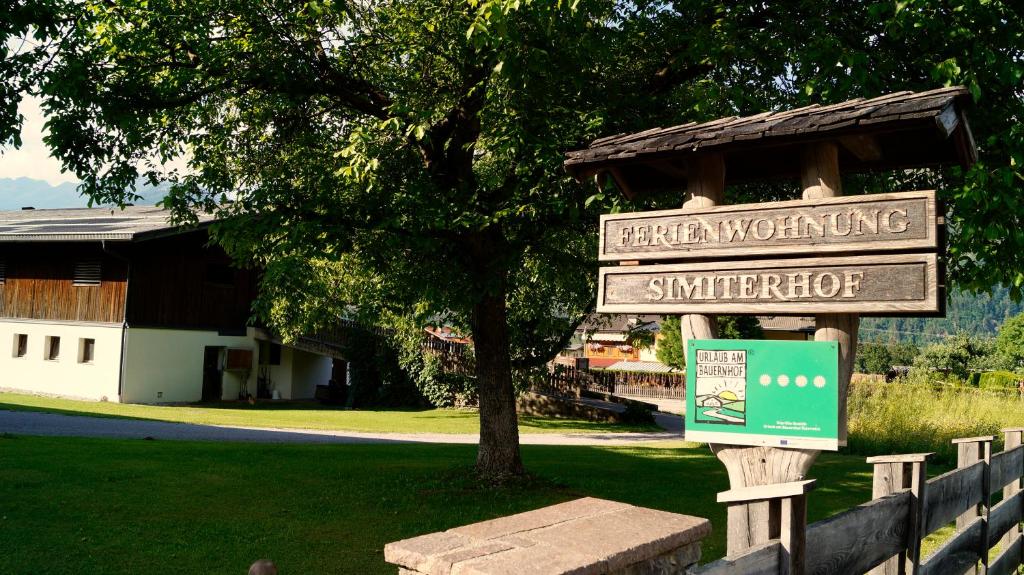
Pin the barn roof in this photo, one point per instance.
(786, 323)
(900, 130)
(88, 224)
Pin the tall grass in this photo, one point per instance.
(914, 416)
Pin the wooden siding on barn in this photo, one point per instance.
(179, 282)
(39, 284)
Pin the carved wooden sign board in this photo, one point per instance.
(723, 270)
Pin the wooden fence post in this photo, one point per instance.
(971, 450)
(787, 503)
(893, 473)
(1013, 437)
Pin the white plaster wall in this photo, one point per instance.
(308, 371)
(281, 374)
(170, 361)
(649, 353)
(64, 376)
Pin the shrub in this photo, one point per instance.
(637, 414)
(999, 380)
(439, 385)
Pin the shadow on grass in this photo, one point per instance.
(358, 497)
(4, 406)
(211, 414)
(293, 405)
(568, 425)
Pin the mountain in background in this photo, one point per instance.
(979, 315)
(17, 193)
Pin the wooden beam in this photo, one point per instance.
(902, 458)
(820, 178)
(763, 492)
(705, 187)
(620, 182)
(864, 147)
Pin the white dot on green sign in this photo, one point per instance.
(766, 379)
(819, 381)
(801, 381)
(783, 380)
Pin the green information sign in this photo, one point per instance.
(758, 392)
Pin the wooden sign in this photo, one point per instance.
(877, 222)
(890, 284)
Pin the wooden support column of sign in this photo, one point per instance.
(750, 523)
(705, 187)
(819, 176)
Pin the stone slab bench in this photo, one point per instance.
(582, 537)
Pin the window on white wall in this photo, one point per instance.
(88, 273)
(20, 345)
(86, 349)
(51, 348)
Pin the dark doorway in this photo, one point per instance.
(336, 390)
(212, 374)
(339, 371)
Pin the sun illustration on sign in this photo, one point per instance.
(730, 390)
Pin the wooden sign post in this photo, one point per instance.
(833, 256)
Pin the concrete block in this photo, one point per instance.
(583, 537)
(415, 553)
(539, 518)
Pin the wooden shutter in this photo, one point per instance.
(88, 273)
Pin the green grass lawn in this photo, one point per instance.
(305, 415)
(130, 506)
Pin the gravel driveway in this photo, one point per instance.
(37, 423)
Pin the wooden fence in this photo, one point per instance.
(570, 381)
(883, 536)
(651, 391)
(455, 357)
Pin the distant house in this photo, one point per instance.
(784, 327)
(604, 339)
(100, 303)
(445, 334)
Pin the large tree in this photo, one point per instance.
(403, 157)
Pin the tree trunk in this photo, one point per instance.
(498, 455)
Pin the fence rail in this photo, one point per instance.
(571, 381)
(651, 391)
(883, 536)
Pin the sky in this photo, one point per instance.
(32, 160)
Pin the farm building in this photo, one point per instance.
(120, 305)
(603, 339)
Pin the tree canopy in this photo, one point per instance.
(403, 158)
(1010, 343)
(670, 347)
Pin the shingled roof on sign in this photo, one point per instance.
(900, 130)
